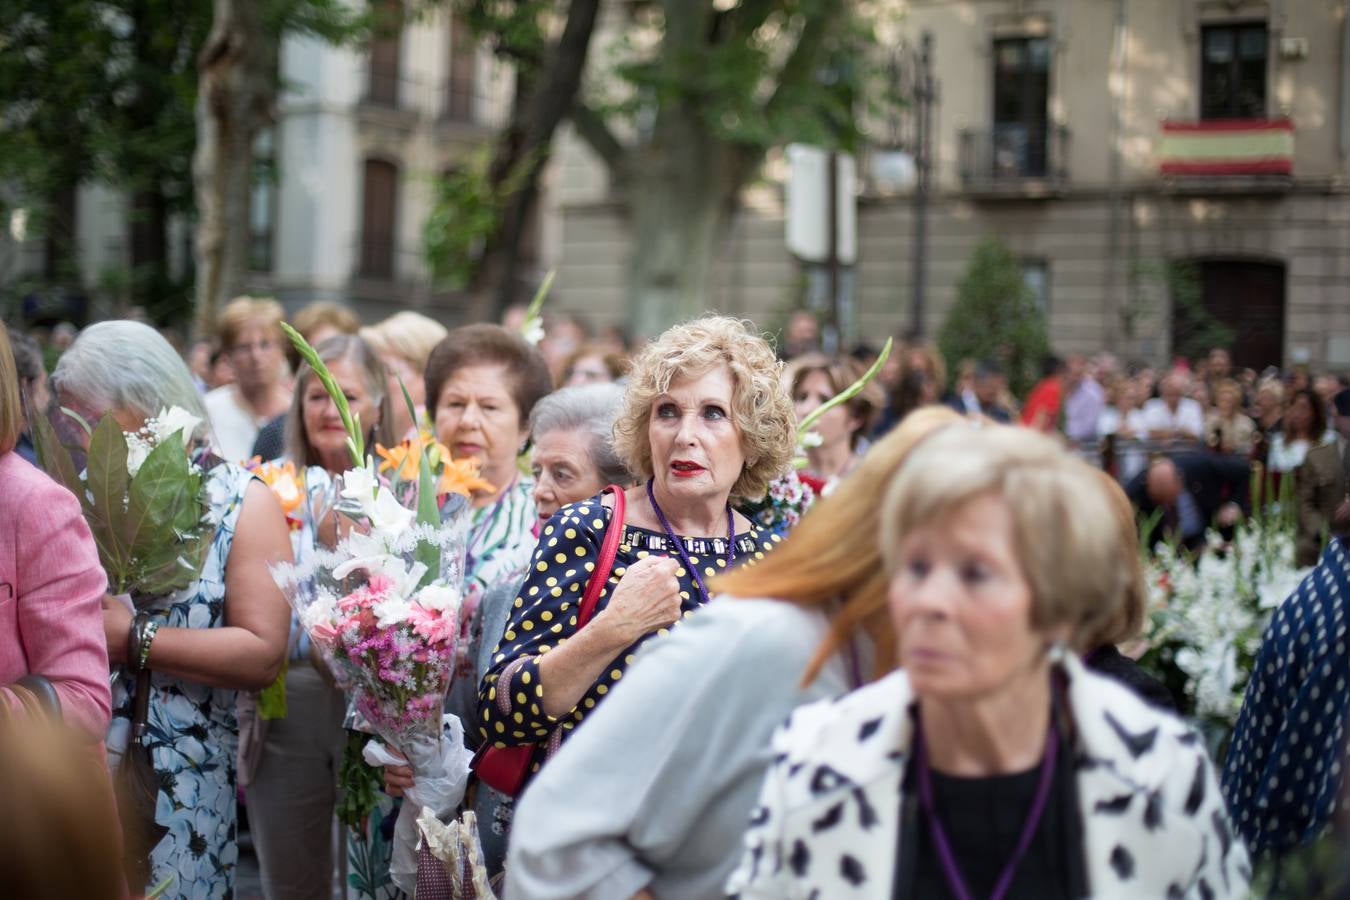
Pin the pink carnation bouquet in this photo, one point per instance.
(383, 608)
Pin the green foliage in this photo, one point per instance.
(996, 317)
(361, 784)
(465, 214)
(515, 29)
(150, 529)
(759, 75)
(1194, 328)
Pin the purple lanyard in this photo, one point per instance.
(679, 544)
(944, 848)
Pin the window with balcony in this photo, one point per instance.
(1021, 102)
(385, 48)
(379, 207)
(1021, 152)
(1233, 71)
(459, 88)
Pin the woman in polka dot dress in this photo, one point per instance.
(704, 418)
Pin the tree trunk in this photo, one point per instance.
(538, 110)
(235, 92)
(684, 187)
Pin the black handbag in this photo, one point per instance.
(137, 789)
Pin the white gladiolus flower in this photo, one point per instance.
(533, 331)
(358, 484)
(387, 514)
(812, 439)
(173, 420)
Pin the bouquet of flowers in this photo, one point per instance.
(1208, 614)
(144, 496)
(383, 608)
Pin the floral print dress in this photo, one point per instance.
(193, 732)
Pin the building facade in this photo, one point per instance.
(361, 135)
(1105, 142)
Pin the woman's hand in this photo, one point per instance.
(116, 628)
(398, 780)
(646, 598)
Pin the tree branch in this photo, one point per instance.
(592, 129)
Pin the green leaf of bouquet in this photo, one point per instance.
(106, 470)
(55, 458)
(407, 399)
(163, 494)
(428, 513)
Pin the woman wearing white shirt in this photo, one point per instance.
(1303, 427)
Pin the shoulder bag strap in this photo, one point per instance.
(140, 707)
(45, 693)
(608, 548)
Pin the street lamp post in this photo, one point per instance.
(925, 95)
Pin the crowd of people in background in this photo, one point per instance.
(661, 436)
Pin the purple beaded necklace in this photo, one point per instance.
(946, 857)
(679, 544)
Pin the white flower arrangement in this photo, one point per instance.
(1208, 614)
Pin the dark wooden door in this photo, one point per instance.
(379, 217)
(1247, 297)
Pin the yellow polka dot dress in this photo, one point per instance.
(510, 699)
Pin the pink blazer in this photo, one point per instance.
(51, 588)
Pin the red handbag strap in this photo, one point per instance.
(608, 548)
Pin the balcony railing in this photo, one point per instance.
(1227, 149)
(1015, 159)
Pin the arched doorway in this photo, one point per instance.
(1245, 296)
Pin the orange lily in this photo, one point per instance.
(460, 476)
(456, 476)
(283, 480)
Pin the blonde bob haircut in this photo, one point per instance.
(814, 568)
(1129, 619)
(408, 335)
(1066, 535)
(241, 312)
(760, 406)
(11, 412)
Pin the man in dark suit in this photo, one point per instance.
(1193, 492)
(1324, 489)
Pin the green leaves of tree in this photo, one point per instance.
(995, 317)
(464, 217)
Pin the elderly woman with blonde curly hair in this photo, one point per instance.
(704, 418)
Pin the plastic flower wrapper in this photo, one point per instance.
(383, 608)
(454, 855)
